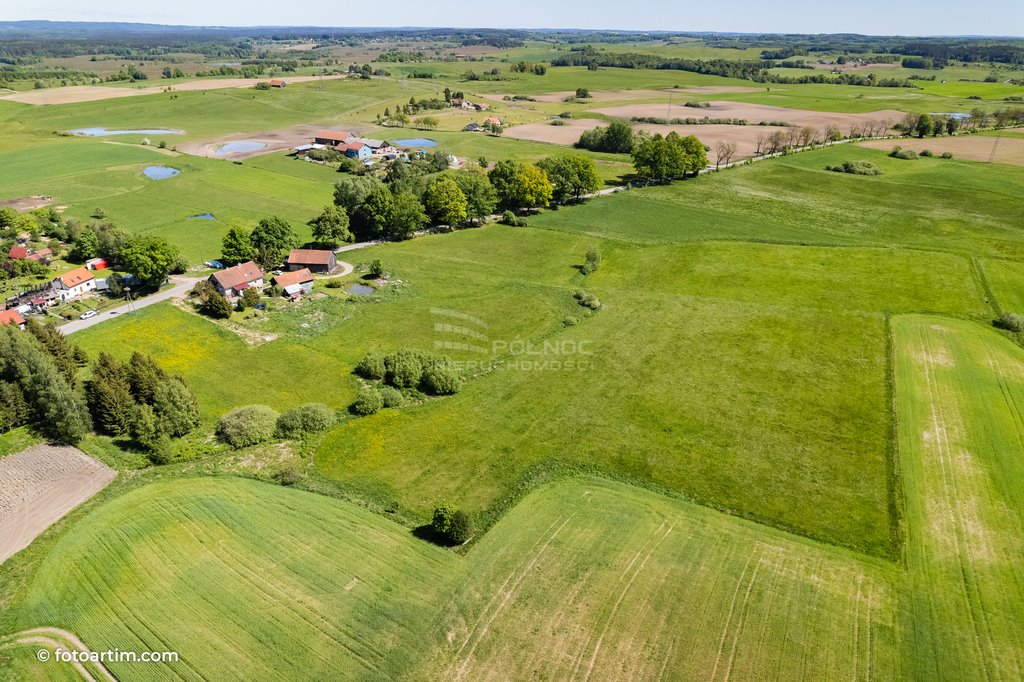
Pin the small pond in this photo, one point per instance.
(360, 289)
(160, 172)
(203, 216)
(102, 132)
(239, 147)
(416, 142)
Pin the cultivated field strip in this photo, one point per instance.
(961, 392)
(596, 581)
(262, 579)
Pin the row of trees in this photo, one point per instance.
(267, 244)
(39, 385)
(398, 205)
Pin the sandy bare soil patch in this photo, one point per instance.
(1008, 150)
(39, 486)
(754, 113)
(27, 203)
(745, 137)
(93, 93)
(275, 141)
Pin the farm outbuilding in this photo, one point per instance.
(332, 137)
(296, 282)
(277, 83)
(315, 260)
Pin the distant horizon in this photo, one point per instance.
(936, 18)
(579, 29)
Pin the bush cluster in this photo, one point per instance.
(452, 525)
(308, 418)
(510, 218)
(1011, 322)
(856, 168)
(592, 262)
(899, 152)
(587, 300)
(403, 370)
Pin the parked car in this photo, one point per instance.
(215, 264)
(87, 314)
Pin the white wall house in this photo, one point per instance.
(73, 284)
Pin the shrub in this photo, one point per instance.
(452, 525)
(587, 300)
(377, 269)
(391, 397)
(856, 168)
(249, 425)
(1010, 322)
(308, 418)
(592, 262)
(569, 321)
(216, 306)
(510, 218)
(368, 401)
(288, 474)
(371, 366)
(334, 284)
(899, 152)
(403, 369)
(947, 155)
(926, 152)
(440, 380)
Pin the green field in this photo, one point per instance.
(789, 445)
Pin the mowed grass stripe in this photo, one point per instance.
(960, 388)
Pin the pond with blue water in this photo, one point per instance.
(203, 216)
(416, 142)
(103, 132)
(239, 147)
(360, 289)
(160, 172)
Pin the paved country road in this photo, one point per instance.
(180, 286)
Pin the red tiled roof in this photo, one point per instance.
(310, 257)
(75, 277)
(17, 252)
(335, 135)
(297, 277)
(11, 317)
(242, 273)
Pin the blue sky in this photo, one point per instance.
(878, 17)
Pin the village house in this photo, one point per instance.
(231, 282)
(277, 83)
(12, 317)
(41, 254)
(356, 150)
(18, 252)
(316, 260)
(493, 120)
(333, 138)
(295, 283)
(73, 284)
(481, 106)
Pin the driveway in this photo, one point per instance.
(180, 286)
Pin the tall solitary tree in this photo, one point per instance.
(330, 228)
(445, 203)
(151, 259)
(236, 247)
(273, 238)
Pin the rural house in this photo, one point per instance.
(331, 137)
(277, 83)
(12, 317)
(231, 282)
(17, 252)
(74, 284)
(295, 283)
(316, 260)
(493, 120)
(356, 150)
(377, 147)
(41, 254)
